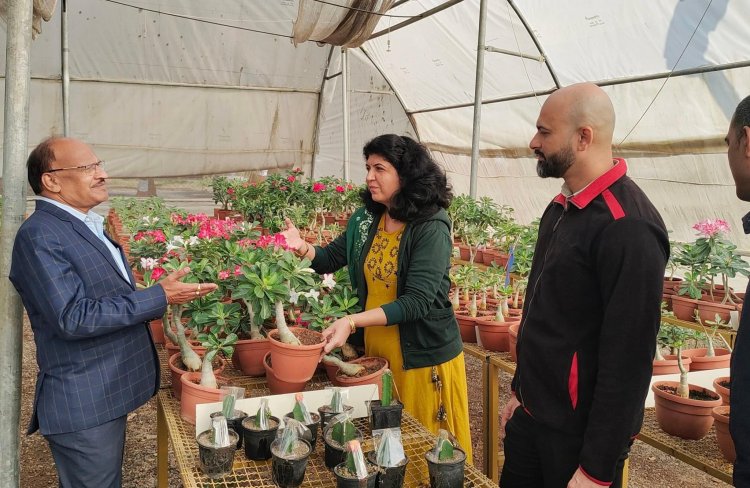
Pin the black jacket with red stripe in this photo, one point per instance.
(591, 316)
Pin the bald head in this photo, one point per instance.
(586, 105)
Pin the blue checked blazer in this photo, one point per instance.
(96, 357)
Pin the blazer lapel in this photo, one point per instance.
(83, 230)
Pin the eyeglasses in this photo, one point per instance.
(87, 169)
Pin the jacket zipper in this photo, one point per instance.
(519, 394)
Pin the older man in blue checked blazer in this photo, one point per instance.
(96, 358)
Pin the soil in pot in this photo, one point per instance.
(389, 477)
(257, 441)
(313, 426)
(288, 469)
(346, 480)
(448, 473)
(372, 374)
(216, 462)
(385, 417)
(234, 423)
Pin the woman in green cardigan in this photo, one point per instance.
(398, 247)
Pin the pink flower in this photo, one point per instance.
(237, 270)
(158, 236)
(291, 179)
(223, 274)
(230, 191)
(282, 188)
(339, 189)
(157, 273)
(318, 187)
(712, 227)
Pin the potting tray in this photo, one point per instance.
(703, 454)
(416, 439)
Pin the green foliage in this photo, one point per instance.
(343, 432)
(227, 406)
(387, 397)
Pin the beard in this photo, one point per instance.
(555, 165)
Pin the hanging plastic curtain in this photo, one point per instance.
(43, 10)
(348, 24)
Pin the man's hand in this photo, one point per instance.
(178, 292)
(580, 480)
(508, 410)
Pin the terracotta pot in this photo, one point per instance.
(513, 340)
(670, 285)
(177, 373)
(702, 363)
(489, 256)
(493, 334)
(249, 356)
(194, 394)
(684, 307)
(669, 365)
(157, 331)
(295, 364)
(466, 324)
(502, 259)
(708, 310)
(723, 391)
(684, 417)
(723, 438)
(374, 378)
(276, 385)
(479, 256)
(463, 251)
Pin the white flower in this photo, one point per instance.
(177, 242)
(148, 263)
(193, 241)
(313, 295)
(491, 231)
(328, 281)
(293, 297)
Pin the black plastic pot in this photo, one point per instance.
(326, 414)
(344, 481)
(385, 417)
(235, 423)
(258, 442)
(334, 453)
(289, 471)
(446, 474)
(216, 462)
(313, 426)
(389, 477)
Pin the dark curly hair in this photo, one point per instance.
(424, 186)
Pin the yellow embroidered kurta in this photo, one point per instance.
(415, 387)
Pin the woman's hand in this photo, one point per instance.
(291, 233)
(336, 334)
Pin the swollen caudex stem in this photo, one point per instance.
(658, 355)
(208, 379)
(254, 328)
(455, 300)
(285, 335)
(190, 359)
(683, 390)
(710, 351)
(349, 369)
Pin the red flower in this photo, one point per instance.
(157, 273)
(291, 179)
(223, 274)
(230, 191)
(237, 270)
(318, 187)
(340, 189)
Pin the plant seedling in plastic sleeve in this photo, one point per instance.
(292, 431)
(300, 412)
(444, 446)
(343, 429)
(338, 399)
(264, 413)
(355, 460)
(389, 451)
(219, 431)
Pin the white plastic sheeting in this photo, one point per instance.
(210, 91)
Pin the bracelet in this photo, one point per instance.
(352, 324)
(301, 254)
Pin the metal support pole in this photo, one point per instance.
(65, 69)
(478, 100)
(15, 138)
(345, 101)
